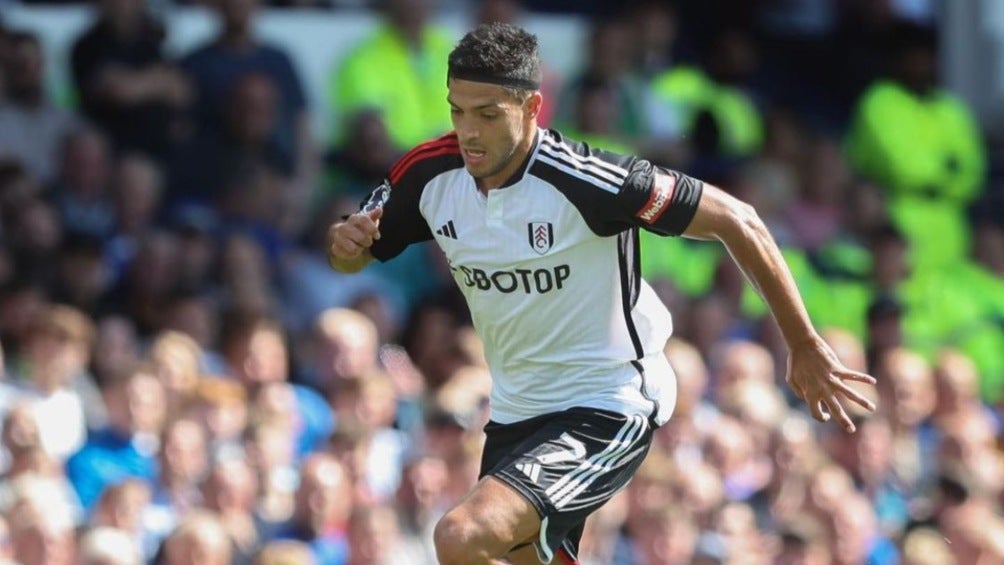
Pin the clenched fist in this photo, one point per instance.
(349, 239)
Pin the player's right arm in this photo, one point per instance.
(349, 241)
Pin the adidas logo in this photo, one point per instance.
(531, 470)
(447, 230)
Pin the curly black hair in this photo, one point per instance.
(500, 54)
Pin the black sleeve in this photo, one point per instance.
(401, 223)
(659, 200)
(615, 192)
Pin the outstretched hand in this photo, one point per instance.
(820, 379)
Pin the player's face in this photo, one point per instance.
(495, 129)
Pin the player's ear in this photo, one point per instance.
(533, 104)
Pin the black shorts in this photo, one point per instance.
(567, 464)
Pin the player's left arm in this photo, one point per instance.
(814, 372)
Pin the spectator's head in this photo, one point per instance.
(222, 408)
(108, 546)
(121, 506)
(135, 402)
(199, 538)
(854, 527)
(432, 340)
(184, 452)
(25, 72)
(124, 16)
(137, 185)
(176, 359)
(423, 482)
(370, 152)
(22, 302)
(39, 521)
(740, 361)
(829, 486)
(957, 381)
(796, 450)
(655, 24)
(256, 351)
(285, 552)
(324, 497)
(914, 56)
(700, 490)
(409, 17)
(194, 315)
(58, 346)
(499, 11)
(760, 408)
(889, 257)
(237, 17)
(735, 523)
(666, 535)
(374, 532)
(864, 210)
(82, 271)
(691, 374)
(988, 245)
(596, 107)
(276, 402)
(906, 387)
(926, 546)
(199, 250)
(345, 345)
(729, 446)
(270, 445)
(609, 50)
(231, 487)
(252, 110)
(885, 330)
(733, 56)
(37, 230)
(154, 271)
(85, 164)
(116, 346)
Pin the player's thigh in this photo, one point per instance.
(567, 465)
(492, 517)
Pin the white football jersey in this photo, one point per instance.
(549, 265)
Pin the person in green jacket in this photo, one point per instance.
(399, 70)
(922, 145)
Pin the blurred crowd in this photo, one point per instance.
(184, 380)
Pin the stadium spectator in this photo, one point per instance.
(323, 505)
(27, 107)
(125, 83)
(412, 50)
(218, 66)
(128, 446)
(930, 181)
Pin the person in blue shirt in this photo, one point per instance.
(127, 448)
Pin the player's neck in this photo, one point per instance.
(514, 169)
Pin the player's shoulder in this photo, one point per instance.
(562, 160)
(427, 160)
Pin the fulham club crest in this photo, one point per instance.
(541, 236)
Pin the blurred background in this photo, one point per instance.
(184, 380)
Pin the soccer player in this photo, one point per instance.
(541, 233)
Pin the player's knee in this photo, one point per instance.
(458, 539)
